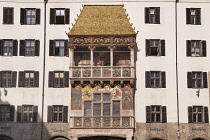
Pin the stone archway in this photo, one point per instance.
(4, 137)
(198, 139)
(102, 138)
(155, 139)
(59, 138)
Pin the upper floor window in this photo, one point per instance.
(30, 16)
(8, 47)
(193, 16)
(8, 15)
(27, 113)
(29, 47)
(155, 47)
(155, 79)
(198, 114)
(28, 79)
(156, 113)
(197, 80)
(58, 79)
(59, 16)
(196, 48)
(58, 48)
(101, 105)
(8, 79)
(6, 113)
(57, 113)
(152, 15)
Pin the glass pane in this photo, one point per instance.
(192, 12)
(194, 118)
(57, 12)
(62, 12)
(62, 43)
(116, 108)
(61, 51)
(106, 97)
(152, 11)
(106, 110)
(158, 117)
(97, 109)
(55, 116)
(87, 108)
(57, 44)
(97, 97)
(33, 12)
(60, 116)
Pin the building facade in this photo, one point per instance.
(104, 70)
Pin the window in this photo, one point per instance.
(152, 15)
(198, 114)
(155, 79)
(29, 47)
(30, 16)
(8, 15)
(197, 80)
(6, 113)
(8, 79)
(155, 47)
(59, 79)
(27, 113)
(8, 47)
(156, 113)
(196, 48)
(193, 16)
(58, 48)
(59, 16)
(57, 113)
(101, 104)
(28, 79)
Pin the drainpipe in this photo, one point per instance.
(44, 59)
(177, 86)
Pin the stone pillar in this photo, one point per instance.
(91, 48)
(72, 56)
(111, 48)
(131, 55)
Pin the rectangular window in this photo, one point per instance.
(96, 109)
(196, 48)
(4, 113)
(152, 15)
(198, 114)
(155, 79)
(30, 48)
(59, 16)
(59, 48)
(116, 108)
(106, 109)
(30, 16)
(6, 79)
(87, 108)
(155, 113)
(29, 79)
(57, 113)
(27, 113)
(59, 79)
(8, 15)
(8, 48)
(197, 80)
(155, 47)
(193, 16)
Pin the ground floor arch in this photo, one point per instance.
(198, 139)
(4, 137)
(155, 139)
(59, 138)
(102, 138)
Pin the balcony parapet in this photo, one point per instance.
(102, 122)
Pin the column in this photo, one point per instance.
(91, 48)
(131, 55)
(111, 48)
(72, 56)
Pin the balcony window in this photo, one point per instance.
(82, 56)
(101, 56)
(121, 57)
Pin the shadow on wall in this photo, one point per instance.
(22, 122)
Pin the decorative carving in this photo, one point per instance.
(76, 72)
(86, 72)
(116, 122)
(97, 122)
(106, 122)
(126, 72)
(96, 72)
(78, 122)
(125, 121)
(106, 72)
(91, 48)
(116, 72)
(87, 122)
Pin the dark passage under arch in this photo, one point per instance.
(101, 138)
(4, 137)
(59, 138)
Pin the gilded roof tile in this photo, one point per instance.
(102, 20)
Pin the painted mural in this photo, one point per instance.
(124, 94)
(76, 98)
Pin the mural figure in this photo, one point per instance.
(127, 99)
(116, 92)
(86, 92)
(76, 99)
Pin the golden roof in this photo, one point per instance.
(102, 20)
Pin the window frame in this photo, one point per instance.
(197, 113)
(30, 79)
(155, 78)
(158, 47)
(156, 15)
(58, 112)
(28, 113)
(4, 118)
(6, 78)
(196, 15)
(30, 47)
(59, 79)
(155, 113)
(196, 79)
(30, 16)
(6, 20)
(63, 47)
(4, 46)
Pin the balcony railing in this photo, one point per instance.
(102, 72)
(102, 122)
